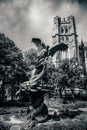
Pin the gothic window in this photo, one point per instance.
(62, 38)
(69, 27)
(62, 30)
(67, 38)
(66, 29)
(64, 19)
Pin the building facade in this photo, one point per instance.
(64, 31)
(85, 49)
(83, 55)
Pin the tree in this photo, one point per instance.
(12, 67)
(30, 58)
(69, 75)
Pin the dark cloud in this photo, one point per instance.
(4, 1)
(55, 4)
(79, 1)
(21, 20)
(82, 1)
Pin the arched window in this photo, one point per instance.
(67, 38)
(62, 30)
(66, 29)
(62, 38)
(70, 27)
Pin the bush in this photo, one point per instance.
(4, 126)
(76, 105)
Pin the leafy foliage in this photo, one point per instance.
(68, 75)
(31, 57)
(12, 67)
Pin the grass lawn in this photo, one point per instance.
(69, 116)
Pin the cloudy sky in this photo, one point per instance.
(21, 20)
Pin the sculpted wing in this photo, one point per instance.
(39, 43)
(57, 47)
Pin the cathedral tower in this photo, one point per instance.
(64, 31)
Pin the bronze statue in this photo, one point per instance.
(32, 87)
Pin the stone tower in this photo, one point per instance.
(64, 31)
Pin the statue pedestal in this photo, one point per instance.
(39, 110)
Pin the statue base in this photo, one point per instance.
(39, 111)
